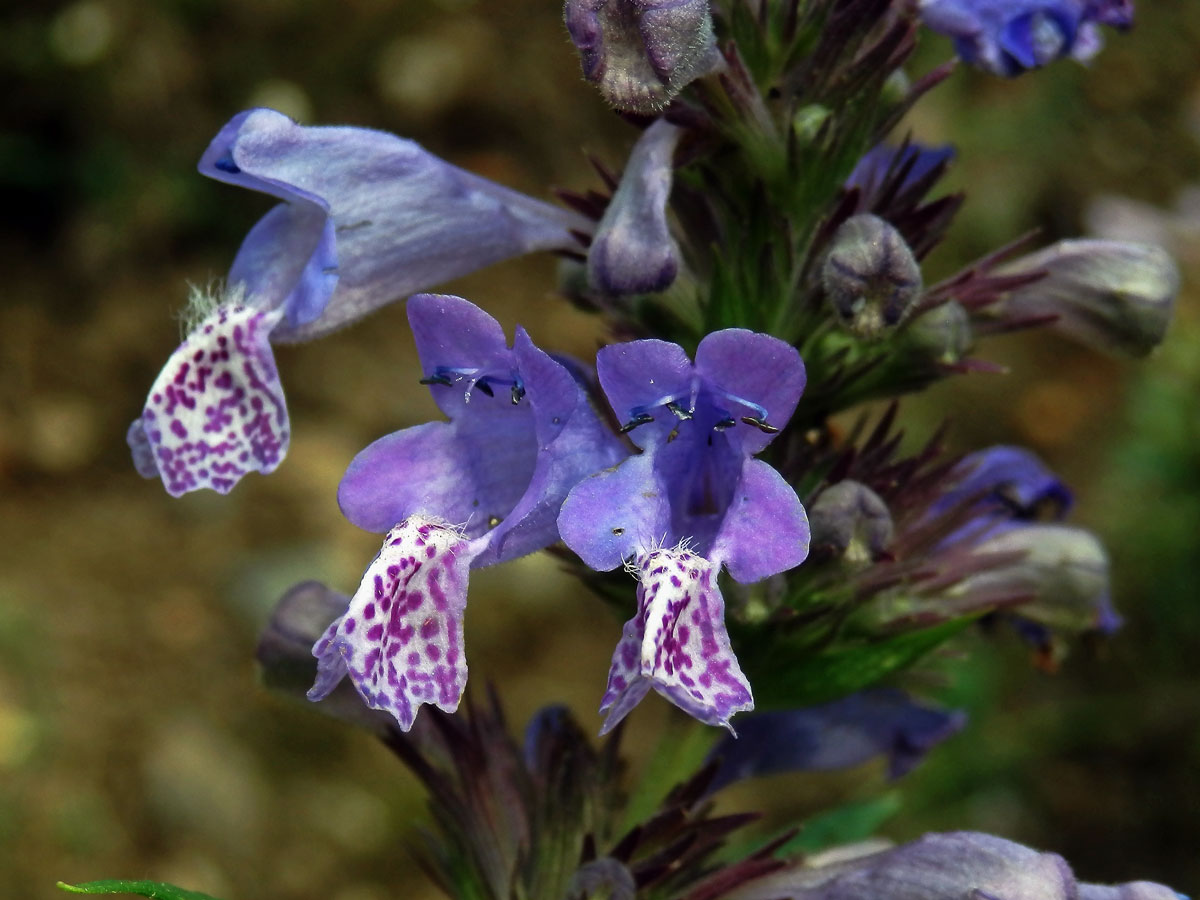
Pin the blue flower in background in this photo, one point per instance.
(692, 501)
(367, 218)
(836, 735)
(915, 160)
(1008, 37)
(483, 488)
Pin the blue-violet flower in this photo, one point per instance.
(483, 488)
(1008, 37)
(366, 218)
(692, 501)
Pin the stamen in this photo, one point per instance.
(680, 412)
(437, 378)
(760, 424)
(638, 419)
(725, 424)
(484, 387)
(518, 390)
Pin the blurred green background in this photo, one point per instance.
(134, 738)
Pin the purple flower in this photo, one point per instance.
(1061, 570)
(1008, 484)
(692, 501)
(837, 735)
(483, 488)
(641, 53)
(1008, 37)
(962, 865)
(366, 218)
(633, 251)
(883, 160)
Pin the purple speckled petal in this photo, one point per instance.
(394, 219)
(216, 410)
(613, 515)
(641, 375)
(633, 251)
(765, 530)
(754, 367)
(677, 643)
(626, 686)
(401, 640)
(686, 653)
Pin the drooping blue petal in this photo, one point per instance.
(765, 529)
(837, 735)
(683, 648)
(372, 219)
(216, 411)
(401, 639)
(633, 251)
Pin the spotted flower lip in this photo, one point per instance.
(692, 501)
(367, 218)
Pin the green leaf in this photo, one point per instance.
(787, 677)
(155, 889)
(847, 824)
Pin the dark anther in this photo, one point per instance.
(761, 424)
(437, 378)
(518, 391)
(485, 388)
(639, 419)
(674, 434)
(727, 422)
(683, 414)
(618, 531)
(493, 521)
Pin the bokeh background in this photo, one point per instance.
(135, 740)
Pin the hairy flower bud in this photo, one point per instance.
(851, 519)
(641, 53)
(944, 331)
(1114, 296)
(870, 275)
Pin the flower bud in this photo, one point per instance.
(871, 277)
(633, 251)
(1064, 569)
(852, 519)
(641, 53)
(1113, 296)
(944, 332)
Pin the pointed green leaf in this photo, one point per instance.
(154, 889)
(790, 679)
